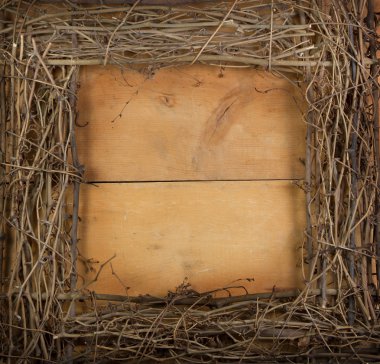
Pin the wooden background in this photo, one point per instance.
(192, 175)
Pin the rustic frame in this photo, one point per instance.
(45, 317)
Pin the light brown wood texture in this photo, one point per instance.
(189, 123)
(377, 6)
(213, 233)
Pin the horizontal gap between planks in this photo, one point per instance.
(198, 180)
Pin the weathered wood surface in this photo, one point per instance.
(213, 233)
(189, 123)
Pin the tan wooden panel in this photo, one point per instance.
(213, 233)
(189, 123)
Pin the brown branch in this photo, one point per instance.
(127, 2)
(374, 72)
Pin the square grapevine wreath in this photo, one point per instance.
(326, 47)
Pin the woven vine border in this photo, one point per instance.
(327, 48)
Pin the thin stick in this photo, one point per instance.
(216, 31)
(114, 32)
(201, 58)
(2, 168)
(354, 174)
(308, 161)
(375, 92)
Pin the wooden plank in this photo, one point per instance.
(377, 6)
(213, 233)
(189, 123)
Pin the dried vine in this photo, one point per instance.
(329, 46)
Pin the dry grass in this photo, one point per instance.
(330, 48)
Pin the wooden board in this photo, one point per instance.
(213, 233)
(189, 123)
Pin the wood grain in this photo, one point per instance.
(189, 123)
(213, 233)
